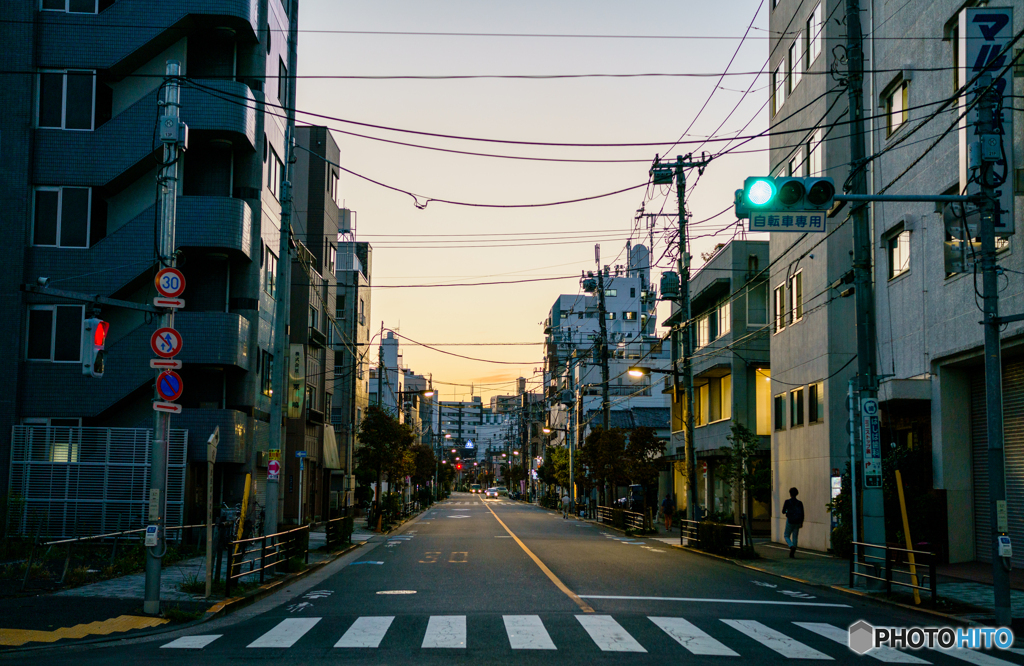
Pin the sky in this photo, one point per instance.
(418, 242)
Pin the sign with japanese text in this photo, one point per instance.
(811, 221)
(871, 436)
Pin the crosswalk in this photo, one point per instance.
(788, 640)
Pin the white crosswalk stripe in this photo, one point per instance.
(609, 634)
(527, 632)
(192, 642)
(365, 632)
(692, 638)
(286, 633)
(779, 642)
(842, 636)
(445, 631)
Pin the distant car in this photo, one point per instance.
(475, 488)
(502, 491)
(491, 492)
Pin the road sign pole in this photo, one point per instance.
(167, 206)
(211, 456)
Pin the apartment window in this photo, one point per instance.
(896, 106)
(778, 87)
(798, 165)
(816, 403)
(780, 411)
(334, 188)
(796, 62)
(629, 316)
(632, 292)
(609, 315)
(611, 292)
(275, 172)
(717, 399)
(75, 6)
(763, 400)
(703, 331)
(796, 296)
(62, 217)
(579, 315)
(724, 318)
(813, 33)
(899, 253)
(54, 333)
(796, 407)
(339, 306)
(282, 82)
(314, 318)
(780, 307)
(270, 273)
(67, 99)
(267, 383)
(815, 151)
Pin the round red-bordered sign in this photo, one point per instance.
(166, 342)
(169, 385)
(169, 282)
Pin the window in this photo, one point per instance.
(797, 165)
(899, 253)
(66, 99)
(716, 399)
(780, 307)
(724, 318)
(335, 197)
(763, 400)
(54, 333)
(270, 273)
(339, 306)
(816, 403)
(611, 292)
(778, 87)
(896, 106)
(815, 150)
(632, 292)
(282, 82)
(780, 411)
(76, 6)
(275, 172)
(267, 384)
(61, 216)
(954, 34)
(703, 331)
(332, 256)
(629, 316)
(796, 296)
(813, 36)
(609, 315)
(796, 407)
(314, 317)
(795, 62)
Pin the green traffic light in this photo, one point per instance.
(760, 192)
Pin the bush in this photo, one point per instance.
(178, 615)
(715, 537)
(193, 584)
(78, 576)
(295, 564)
(842, 541)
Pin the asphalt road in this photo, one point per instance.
(484, 581)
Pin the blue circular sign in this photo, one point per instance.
(169, 385)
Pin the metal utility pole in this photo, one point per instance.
(282, 310)
(874, 510)
(168, 207)
(606, 405)
(988, 125)
(380, 367)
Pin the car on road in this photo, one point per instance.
(475, 488)
(496, 492)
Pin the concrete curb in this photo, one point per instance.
(218, 610)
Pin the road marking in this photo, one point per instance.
(459, 516)
(842, 636)
(397, 592)
(609, 634)
(286, 633)
(584, 606)
(527, 632)
(192, 642)
(715, 601)
(459, 557)
(15, 637)
(430, 557)
(781, 643)
(445, 631)
(352, 564)
(691, 638)
(365, 632)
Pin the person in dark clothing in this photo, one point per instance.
(793, 510)
(668, 508)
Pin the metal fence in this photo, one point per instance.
(866, 562)
(627, 520)
(250, 557)
(724, 537)
(69, 482)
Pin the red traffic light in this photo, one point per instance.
(459, 467)
(99, 336)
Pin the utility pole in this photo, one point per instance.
(988, 125)
(168, 207)
(606, 405)
(282, 308)
(873, 525)
(380, 368)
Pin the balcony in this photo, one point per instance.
(213, 338)
(116, 39)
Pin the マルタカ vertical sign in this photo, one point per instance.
(871, 433)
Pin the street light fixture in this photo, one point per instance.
(637, 371)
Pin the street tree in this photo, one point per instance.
(643, 449)
(384, 443)
(740, 469)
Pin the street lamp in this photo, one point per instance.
(636, 372)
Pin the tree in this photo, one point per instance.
(603, 458)
(424, 464)
(741, 468)
(642, 452)
(383, 446)
(559, 465)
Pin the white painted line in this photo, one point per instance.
(692, 638)
(527, 632)
(842, 636)
(445, 631)
(609, 634)
(192, 642)
(365, 632)
(781, 643)
(285, 634)
(715, 601)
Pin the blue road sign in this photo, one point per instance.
(300, 454)
(169, 385)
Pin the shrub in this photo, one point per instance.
(193, 584)
(77, 576)
(842, 541)
(715, 537)
(177, 615)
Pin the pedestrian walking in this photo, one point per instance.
(565, 505)
(793, 510)
(667, 508)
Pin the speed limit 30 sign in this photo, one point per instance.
(170, 283)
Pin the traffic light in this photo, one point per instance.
(789, 194)
(94, 338)
(459, 467)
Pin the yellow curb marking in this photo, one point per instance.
(547, 572)
(15, 637)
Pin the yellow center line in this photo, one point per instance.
(547, 572)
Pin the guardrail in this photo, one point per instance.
(689, 535)
(339, 530)
(626, 520)
(272, 549)
(888, 561)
